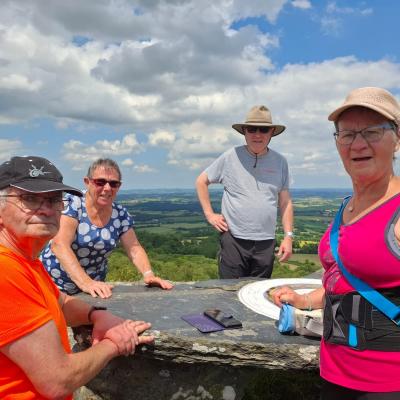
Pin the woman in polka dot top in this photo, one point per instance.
(91, 227)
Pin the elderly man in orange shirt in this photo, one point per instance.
(36, 361)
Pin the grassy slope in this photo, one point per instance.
(181, 268)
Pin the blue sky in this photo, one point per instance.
(156, 85)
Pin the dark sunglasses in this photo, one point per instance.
(261, 129)
(103, 182)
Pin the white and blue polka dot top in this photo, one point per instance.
(92, 245)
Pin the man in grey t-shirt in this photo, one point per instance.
(256, 182)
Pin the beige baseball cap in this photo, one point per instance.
(377, 99)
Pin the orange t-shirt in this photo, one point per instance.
(28, 300)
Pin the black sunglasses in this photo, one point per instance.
(103, 182)
(261, 129)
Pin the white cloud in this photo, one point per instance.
(128, 162)
(5, 120)
(367, 11)
(198, 143)
(161, 138)
(143, 168)
(62, 124)
(298, 98)
(79, 167)
(238, 9)
(304, 4)
(19, 82)
(131, 68)
(47, 76)
(333, 8)
(331, 25)
(9, 148)
(333, 21)
(75, 150)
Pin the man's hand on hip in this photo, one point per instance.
(217, 221)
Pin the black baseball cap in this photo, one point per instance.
(33, 174)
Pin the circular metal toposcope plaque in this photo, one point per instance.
(257, 295)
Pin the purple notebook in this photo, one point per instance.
(202, 323)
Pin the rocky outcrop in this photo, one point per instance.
(186, 364)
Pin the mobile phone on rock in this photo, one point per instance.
(227, 321)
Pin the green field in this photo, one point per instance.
(168, 228)
(304, 257)
(183, 247)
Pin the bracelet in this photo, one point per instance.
(289, 234)
(308, 301)
(92, 310)
(148, 272)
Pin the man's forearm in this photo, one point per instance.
(75, 311)
(204, 197)
(286, 208)
(287, 219)
(206, 205)
(83, 366)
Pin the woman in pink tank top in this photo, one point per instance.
(367, 137)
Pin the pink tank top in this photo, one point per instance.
(369, 250)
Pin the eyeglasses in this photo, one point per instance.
(33, 202)
(261, 129)
(100, 182)
(371, 134)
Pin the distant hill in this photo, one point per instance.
(323, 193)
(216, 190)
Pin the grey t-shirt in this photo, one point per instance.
(250, 199)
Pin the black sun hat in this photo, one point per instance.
(33, 174)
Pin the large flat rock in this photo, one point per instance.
(258, 344)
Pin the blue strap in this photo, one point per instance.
(353, 335)
(375, 298)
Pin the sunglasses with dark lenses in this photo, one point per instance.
(261, 129)
(103, 182)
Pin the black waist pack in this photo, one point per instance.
(375, 331)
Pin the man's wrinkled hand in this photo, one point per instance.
(217, 221)
(128, 335)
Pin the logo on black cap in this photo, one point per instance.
(35, 172)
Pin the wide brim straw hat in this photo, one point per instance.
(259, 116)
(374, 98)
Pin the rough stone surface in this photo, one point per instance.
(185, 363)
